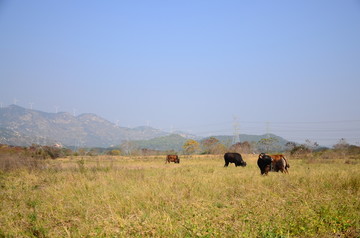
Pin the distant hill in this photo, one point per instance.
(176, 141)
(226, 140)
(21, 126)
(11, 137)
(170, 142)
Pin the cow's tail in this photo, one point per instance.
(287, 165)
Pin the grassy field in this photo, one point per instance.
(144, 197)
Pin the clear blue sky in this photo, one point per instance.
(287, 67)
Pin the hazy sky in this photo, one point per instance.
(286, 67)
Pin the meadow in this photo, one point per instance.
(110, 196)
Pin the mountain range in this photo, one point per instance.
(22, 126)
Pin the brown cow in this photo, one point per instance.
(281, 163)
(275, 163)
(172, 158)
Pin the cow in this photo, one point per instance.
(172, 158)
(234, 158)
(274, 163)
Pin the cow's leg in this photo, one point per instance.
(263, 171)
(226, 164)
(286, 171)
(283, 166)
(267, 169)
(283, 169)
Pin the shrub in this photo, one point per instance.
(17, 161)
(300, 150)
(114, 152)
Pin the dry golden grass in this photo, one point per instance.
(108, 196)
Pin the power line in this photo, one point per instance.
(303, 122)
(270, 122)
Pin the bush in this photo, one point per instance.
(300, 150)
(16, 161)
(114, 152)
(16, 157)
(45, 152)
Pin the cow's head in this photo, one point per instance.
(242, 163)
(261, 155)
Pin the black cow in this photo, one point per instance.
(234, 158)
(264, 163)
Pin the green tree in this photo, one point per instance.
(209, 145)
(267, 143)
(300, 150)
(114, 152)
(242, 147)
(191, 146)
(219, 148)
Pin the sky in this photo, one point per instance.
(291, 68)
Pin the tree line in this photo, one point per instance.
(190, 147)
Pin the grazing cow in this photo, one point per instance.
(274, 163)
(284, 165)
(234, 158)
(172, 158)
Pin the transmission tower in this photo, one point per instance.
(267, 129)
(236, 130)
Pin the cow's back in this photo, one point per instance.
(232, 156)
